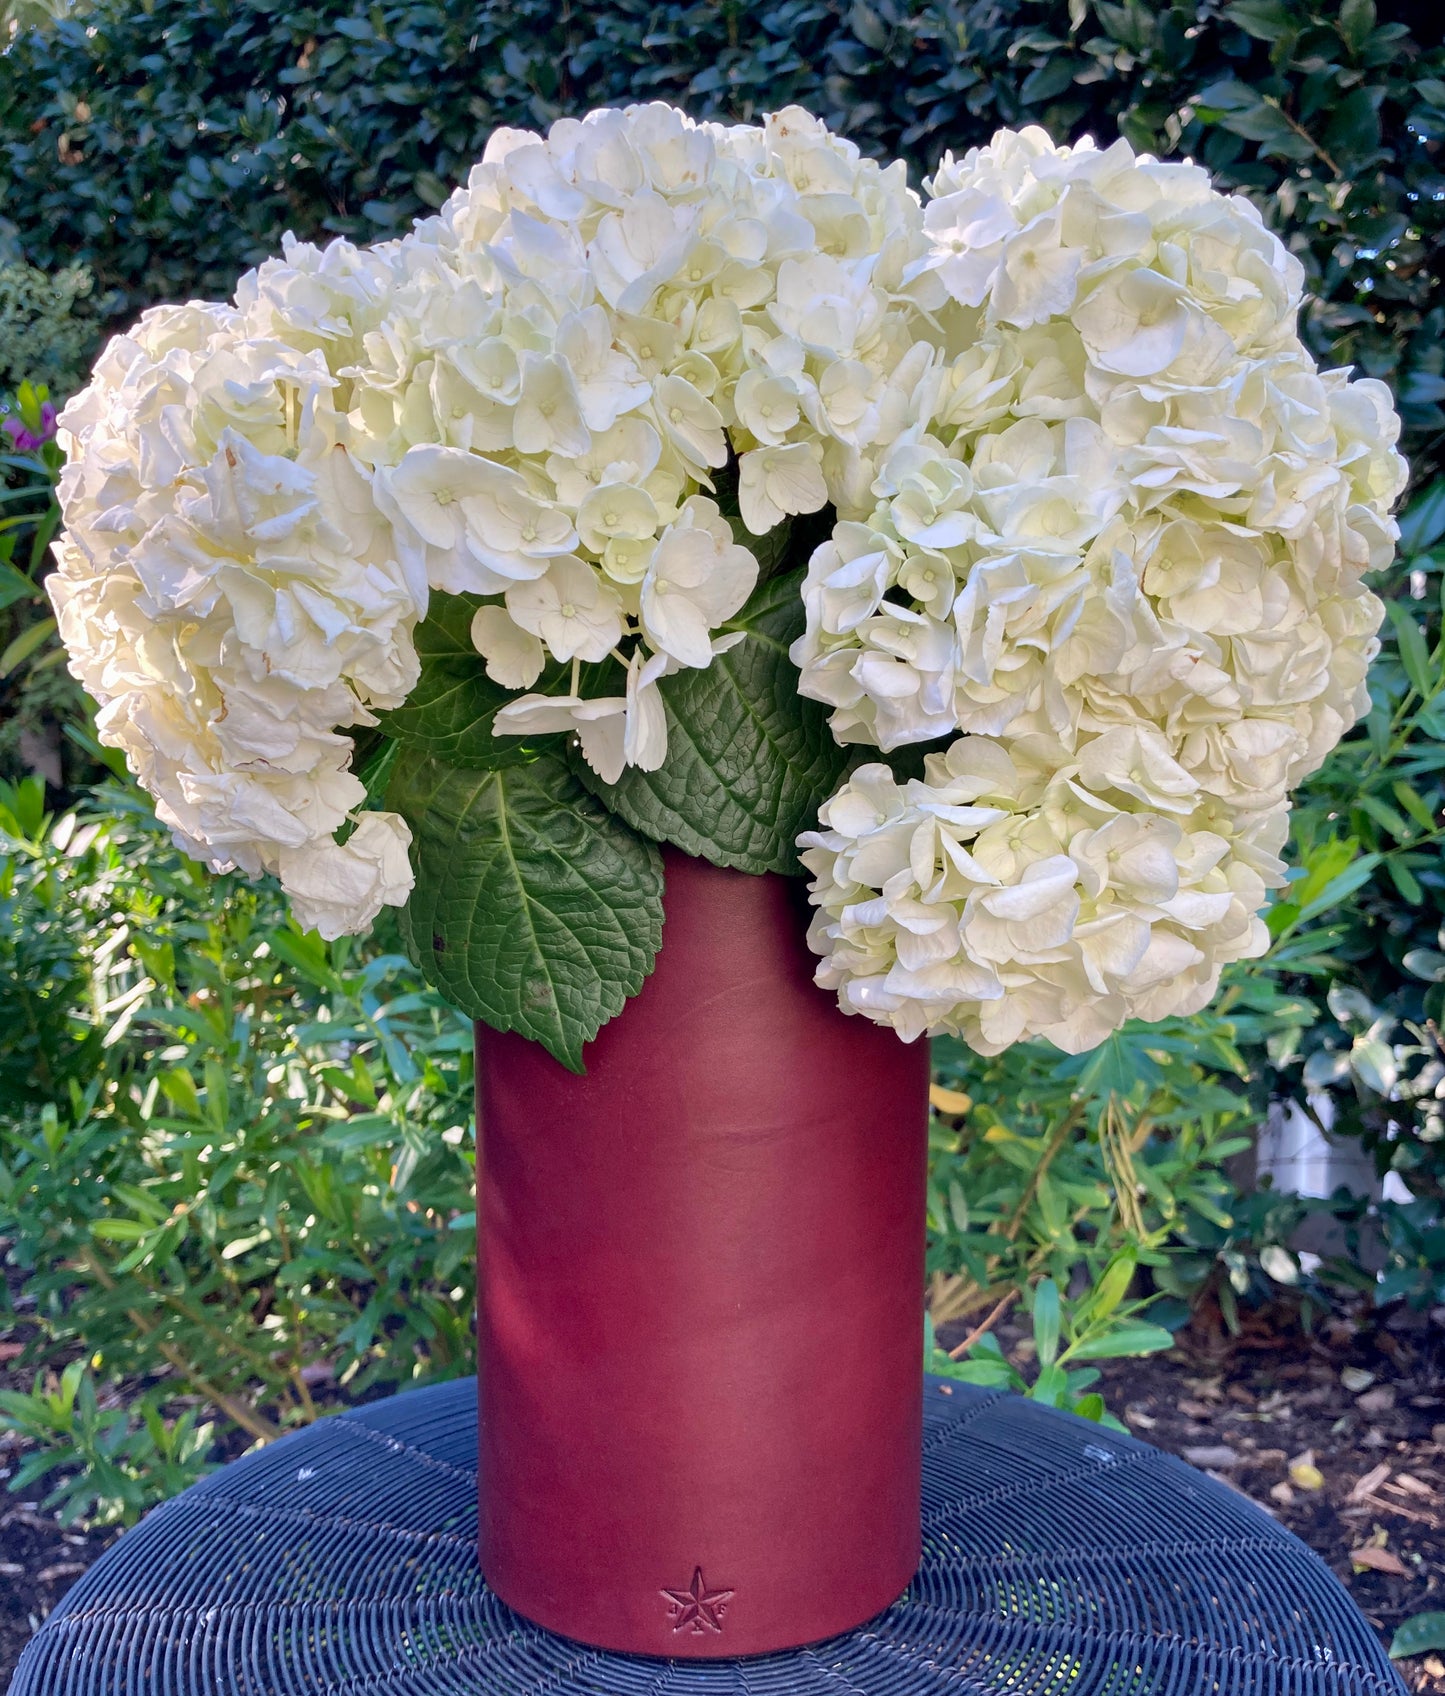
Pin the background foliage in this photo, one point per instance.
(46, 335)
(234, 1163)
(38, 697)
(354, 118)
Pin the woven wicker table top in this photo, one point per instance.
(1060, 1559)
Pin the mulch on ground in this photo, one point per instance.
(1341, 1437)
(1339, 1434)
(38, 1564)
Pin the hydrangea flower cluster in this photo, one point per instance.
(1125, 535)
(597, 323)
(1097, 518)
(524, 399)
(234, 603)
(1000, 897)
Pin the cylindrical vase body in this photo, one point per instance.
(701, 1286)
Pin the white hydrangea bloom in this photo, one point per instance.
(1132, 495)
(600, 321)
(1098, 515)
(1128, 522)
(329, 885)
(525, 399)
(226, 588)
(1004, 896)
(613, 731)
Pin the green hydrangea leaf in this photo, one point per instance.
(450, 711)
(749, 761)
(535, 909)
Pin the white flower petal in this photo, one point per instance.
(514, 656)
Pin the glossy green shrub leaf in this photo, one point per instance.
(1268, 20)
(1414, 650)
(1355, 876)
(987, 1374)
(1419, 1635)
(1111, 1288)
(535, 910)
(1422, 524)
(15, 586)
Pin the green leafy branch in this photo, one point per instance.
(1102, 1325)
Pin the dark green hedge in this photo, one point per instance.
(168, 143)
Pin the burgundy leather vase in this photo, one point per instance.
(701, 1289)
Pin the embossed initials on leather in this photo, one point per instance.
(697, 1608)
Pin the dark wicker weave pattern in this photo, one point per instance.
(1059, 1558)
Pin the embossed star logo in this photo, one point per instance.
(697, 1607)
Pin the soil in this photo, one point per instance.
(38, 1564)
(1339, 1434)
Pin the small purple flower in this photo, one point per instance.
(24, 440)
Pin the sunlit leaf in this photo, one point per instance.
(1135, 1337)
